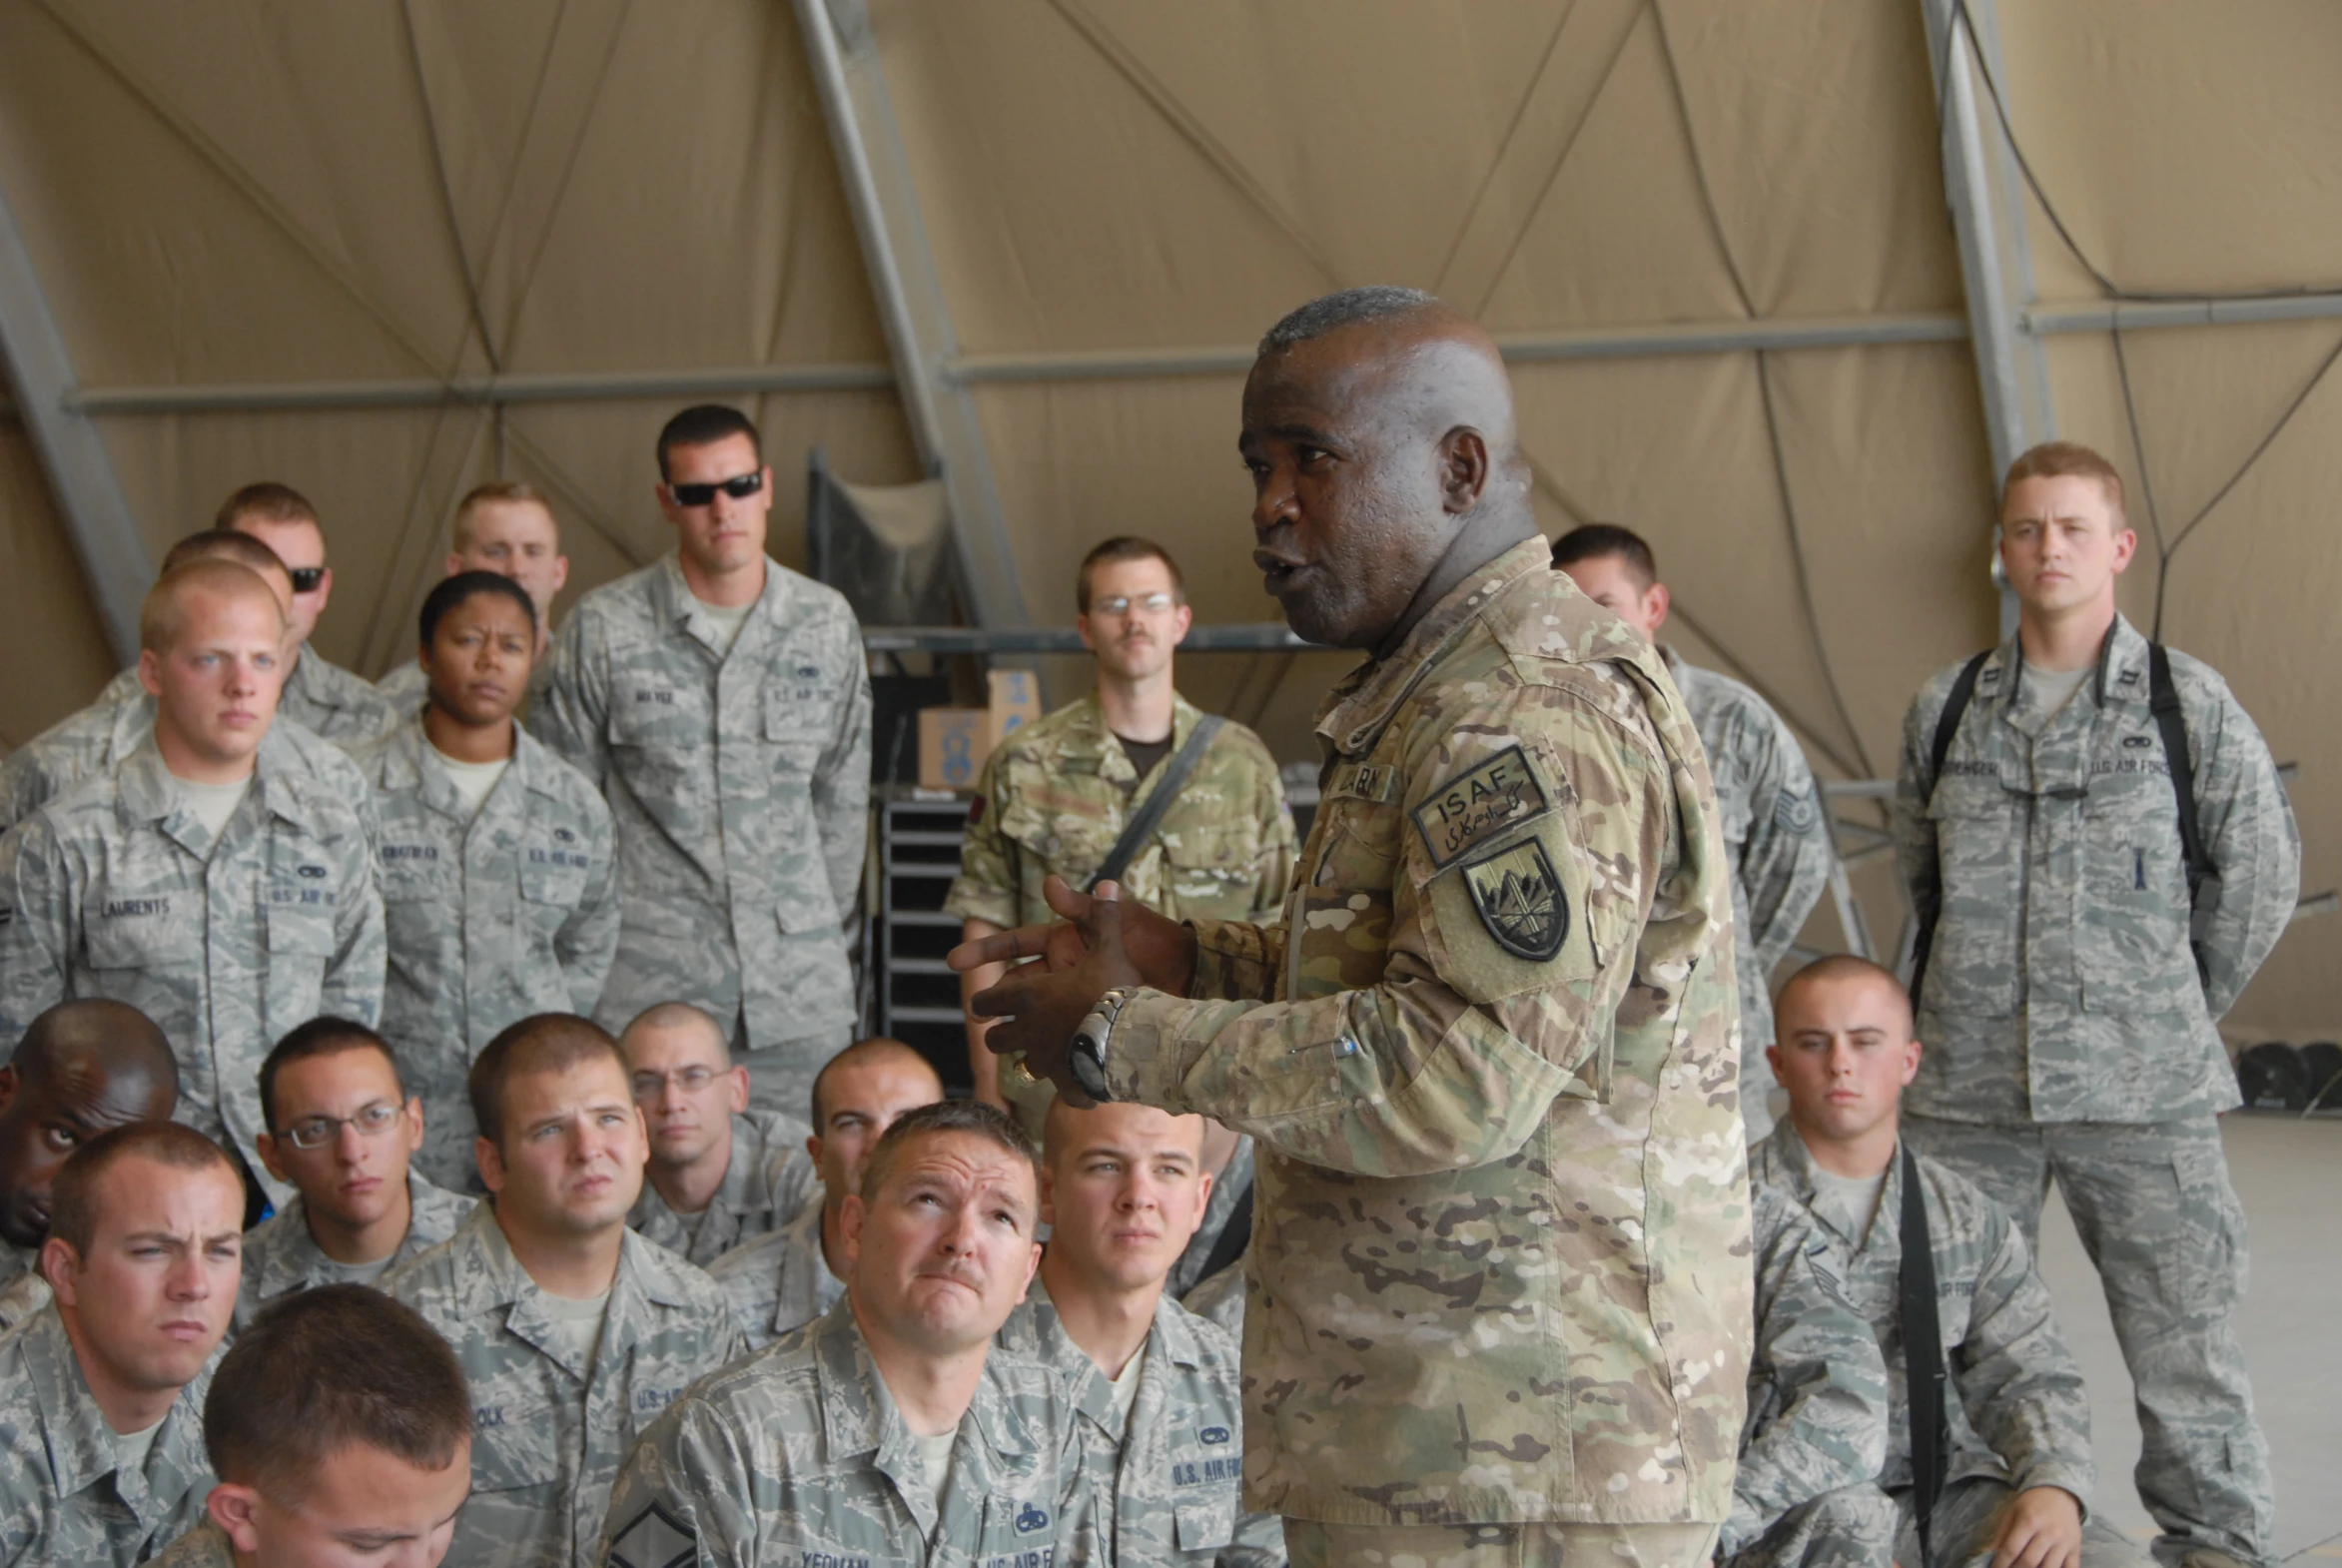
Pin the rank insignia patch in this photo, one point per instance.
(657, 1539)
(1520, 901)
(1479, 803)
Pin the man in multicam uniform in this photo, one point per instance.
(573, 1331)
(508, 529)
(498, 869)
(2019, 1474)
(2070, 999)
(342, 1132)
(1501, 1270)
(328, 1457)
(720, 1173)
(220, 879)
(890, 1430)
(1122, 1190)
(722, 704)
(1775, 827)
(788, 1277)
(101, 1392)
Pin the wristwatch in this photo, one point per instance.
(1085, 1057)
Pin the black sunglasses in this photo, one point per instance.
(306, 578)
(739, 487)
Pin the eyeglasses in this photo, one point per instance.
(1123, 603)
(740, 487)
(370, 1121)
(306, 578)
(691, 1080)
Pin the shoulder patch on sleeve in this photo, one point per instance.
(1494, 795)
(657, 1539)
(1519, 899)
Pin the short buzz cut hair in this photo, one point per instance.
(1596, 540)
(1125, 546)
(678, 1014)
(496, 493)
(703, 425)
(324, 1036)
(73, 1197)
(1847, 965)
(540, 1043)
(162, 615)
(266, 501)
(972, 1116)
(863, 1051)
(1345, 307)
(223, 544)
(2063, 460)
(327, 1369)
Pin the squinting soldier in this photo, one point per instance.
(789, 1276)
(720, 1173)
(890, 1430)
(573, 1331)
(219, 879)
(1775, 830)
(343, 1132)
(508, 529)
(1122, 1190)
(1496, 1037)
(101, 1446)
(2080, 958)
(722, 704)
(328, 1457)
(497, 867)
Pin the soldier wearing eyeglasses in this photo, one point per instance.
(342, 1131)
(722, 704)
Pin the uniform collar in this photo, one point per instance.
(859, 1415)
(732, 1196)
(1362, 703)
(1089, 720)
(402, 769)
(81, 1446)
(146, 796)
(2120, 674)
(1783, 1162)
(298, 1263)
(677, 605)
(1037, 1331)
(489, 1277)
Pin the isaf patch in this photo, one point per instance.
(1520, 900)
(657, 1539)
(1491, 797)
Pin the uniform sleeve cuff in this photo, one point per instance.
(1234, 962)
(2066, 1478)
(968, 901)
(1156, 1038)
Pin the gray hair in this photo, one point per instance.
(1344, 307)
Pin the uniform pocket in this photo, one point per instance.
(1973, 966)
(1203, 1524)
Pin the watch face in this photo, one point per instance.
(1088, 1072)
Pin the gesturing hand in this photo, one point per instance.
(1164, 950)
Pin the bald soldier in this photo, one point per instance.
(82, 1068)
(219, 879)
(1489, 1061)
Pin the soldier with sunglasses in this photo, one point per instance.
(721, 703)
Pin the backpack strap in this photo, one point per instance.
(1963, 690)
(1141, 825)
(1923, 1371)
(2163, 703)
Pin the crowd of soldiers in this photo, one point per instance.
(400, 1153)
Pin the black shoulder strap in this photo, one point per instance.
(1233, 1236)
(1922, 1358)
(1963, 689)
(2163, 702)
(1141, 825)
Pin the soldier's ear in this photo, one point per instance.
(851, 1214)
(58, 1262)
(231, 1507)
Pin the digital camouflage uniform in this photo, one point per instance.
(116, 890)
(1777, 836)
(281, 1257)
(740, 785)
(2070, 1033)
(1173, 1472)
(16, 1263)
(1489, 1059)
(22, 1300)
(779, 1280)
(205, 1546)
(491, 917)
(1220, 1298)
(2017, 1409)
(1230, 1188)
(1818, 1399)
(549, 1430)
(769, 1179)
(799, 1455)
(64, 1497)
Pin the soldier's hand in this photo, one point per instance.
(1163, 951)
(2040, 1528)
(1038, 1005)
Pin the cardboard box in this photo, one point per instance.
(953, 742)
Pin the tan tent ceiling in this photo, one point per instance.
(293, 241)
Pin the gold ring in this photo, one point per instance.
(1017, 1066)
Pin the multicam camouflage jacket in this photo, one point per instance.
(2060, 985)
(1490, 1062)
(799, 1455)
(740, 785)
(779, 1280)
(64, 1496)
(1173, 1472)
(1818, 1402)
(770, 1177)
(549, 1430)
(281, 1257)
(491, 916)
(2017, 1409)
(118, 890)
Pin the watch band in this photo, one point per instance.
(1085, 1058)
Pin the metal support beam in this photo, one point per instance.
(97, 515)
(556, 386)
(842, 54)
